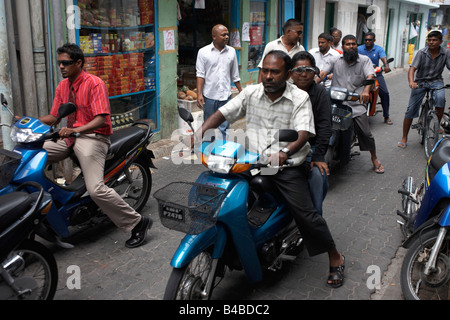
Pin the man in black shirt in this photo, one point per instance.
(303, 74)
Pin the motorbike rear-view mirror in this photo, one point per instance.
(4, 101)
(368, 82)
(185, 115)
(390, 60)
(286, 135)
(66, 109)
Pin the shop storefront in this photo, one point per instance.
(120, 41)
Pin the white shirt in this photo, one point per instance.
(279, 45)
(322, 60)
(219, 69)
(264, 117)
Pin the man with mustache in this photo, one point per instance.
(217, 67)
(277, 104)
(349, 71)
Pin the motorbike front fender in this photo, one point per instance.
(192, 245)
(442, 220)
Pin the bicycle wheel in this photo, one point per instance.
(422, 120)
(431, 134)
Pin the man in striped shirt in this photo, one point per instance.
(92, 120)
(427, 67)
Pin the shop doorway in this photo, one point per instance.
(194, 32)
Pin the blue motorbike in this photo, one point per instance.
(229, 222)
(425, 272)
(126, 171)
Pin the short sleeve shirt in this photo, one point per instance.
(375, 54)
(351, 77)
(264, 117)
(429, 69)
(91, 101)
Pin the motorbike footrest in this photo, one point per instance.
(258, 215)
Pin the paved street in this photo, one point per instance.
(360, 210)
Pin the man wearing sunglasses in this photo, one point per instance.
(289, 42)
(377, 53)
(303, 74)
(93, 122)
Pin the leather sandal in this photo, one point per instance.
(336, 276)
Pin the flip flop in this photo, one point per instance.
(378, 169)
(336, 276)
(402, 145)
(388, 121)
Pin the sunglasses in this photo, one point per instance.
(66, 63)
(298, 32)
(308, 70)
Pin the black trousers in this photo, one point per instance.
(292, 183)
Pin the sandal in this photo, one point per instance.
(379, 169)
(388, 121)
(336, 276)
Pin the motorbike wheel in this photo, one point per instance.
(135, 184)
(415, 284)
(431, 133)
(35, 269)
(187, 283)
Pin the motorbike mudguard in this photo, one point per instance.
(438, 190)
(442, 220)
(192, 245)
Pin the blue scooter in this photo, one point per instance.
(229, 222)
(126, 170)
(425, 272)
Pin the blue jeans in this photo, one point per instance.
(417, 96)
(383, 93)
(210, 107)
(318, 185)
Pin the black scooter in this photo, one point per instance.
(28, 269)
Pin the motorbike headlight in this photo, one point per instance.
(24, 135)
(220, 164)
(338, 95)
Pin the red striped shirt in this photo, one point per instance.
(91, 100)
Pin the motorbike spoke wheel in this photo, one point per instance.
(34, 271)
(431, 133)
(135, 184)
(187, 283)
(415, 284)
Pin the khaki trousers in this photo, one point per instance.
(91, 151)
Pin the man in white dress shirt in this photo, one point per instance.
(289, 42)
(324, 54)
(217, 67)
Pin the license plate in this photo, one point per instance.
(175, 214)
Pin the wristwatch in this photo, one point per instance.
(286, 150)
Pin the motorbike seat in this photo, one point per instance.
(123, 140)
(13, 206)
(441, 155)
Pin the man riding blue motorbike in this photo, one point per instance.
(276, 104)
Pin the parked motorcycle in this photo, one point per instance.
(126, 171)
(373, 101)
(343, 138)
(28, 270)
(229, 222)
(425, 272)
